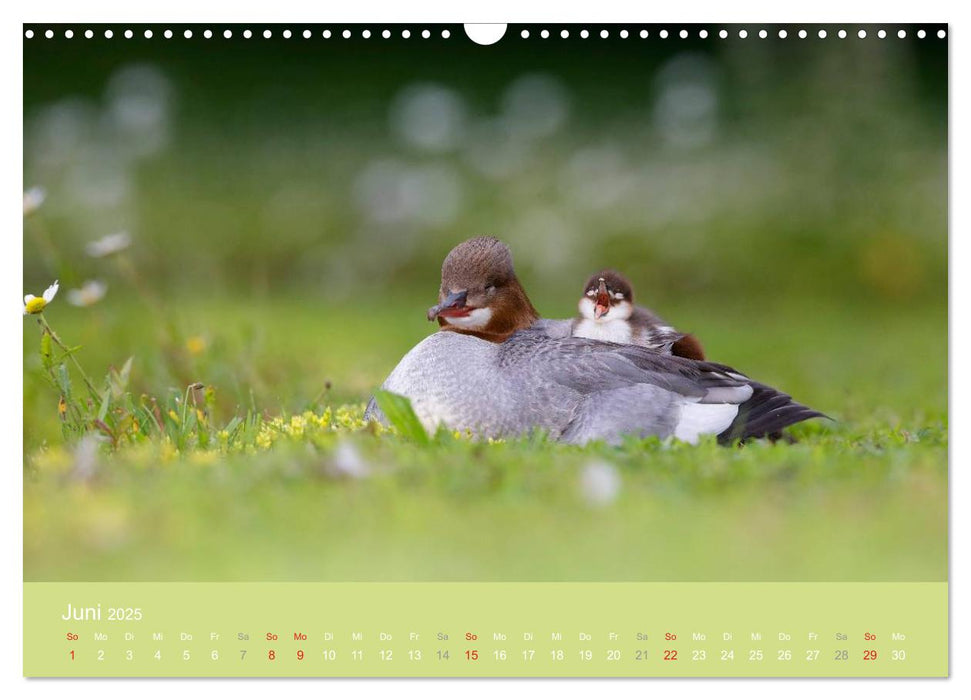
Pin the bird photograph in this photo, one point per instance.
(381, 303)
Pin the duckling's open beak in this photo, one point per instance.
(452, 305)
(603, 302)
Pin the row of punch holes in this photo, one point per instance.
(246, 33)
(524, 34)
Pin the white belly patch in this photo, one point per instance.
(609, 331)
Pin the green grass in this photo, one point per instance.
(862, 498)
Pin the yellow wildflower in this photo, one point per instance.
(196, 345)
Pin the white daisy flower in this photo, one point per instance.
(108, 245)
(348, 462)
(34, 305)
(33, 198)
(599, 483)
(91, 292)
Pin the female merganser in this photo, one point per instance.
(496, 370)
(607, 312)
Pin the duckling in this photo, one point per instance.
(607, 312)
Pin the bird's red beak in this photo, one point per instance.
(452, 305)
(603, 302)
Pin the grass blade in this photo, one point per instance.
(401, 415)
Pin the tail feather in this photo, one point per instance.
(778, 419)
(767, 411)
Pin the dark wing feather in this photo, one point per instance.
(767, 411)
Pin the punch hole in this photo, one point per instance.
(683, 33)
(488, 34)
(29, 34)
(88, 34)
(663, 34)
(941, 34)
(168, 34)
(109, 33)
(644, 34)
(187, 34)
(921, 33)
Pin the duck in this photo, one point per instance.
(496, 369)
(606, 311)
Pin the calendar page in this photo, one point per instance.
(526, 350)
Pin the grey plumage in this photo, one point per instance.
(649, 331)
(578, 390)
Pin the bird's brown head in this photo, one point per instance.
(607, 296)
(480, 294)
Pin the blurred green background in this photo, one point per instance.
(289, 203)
